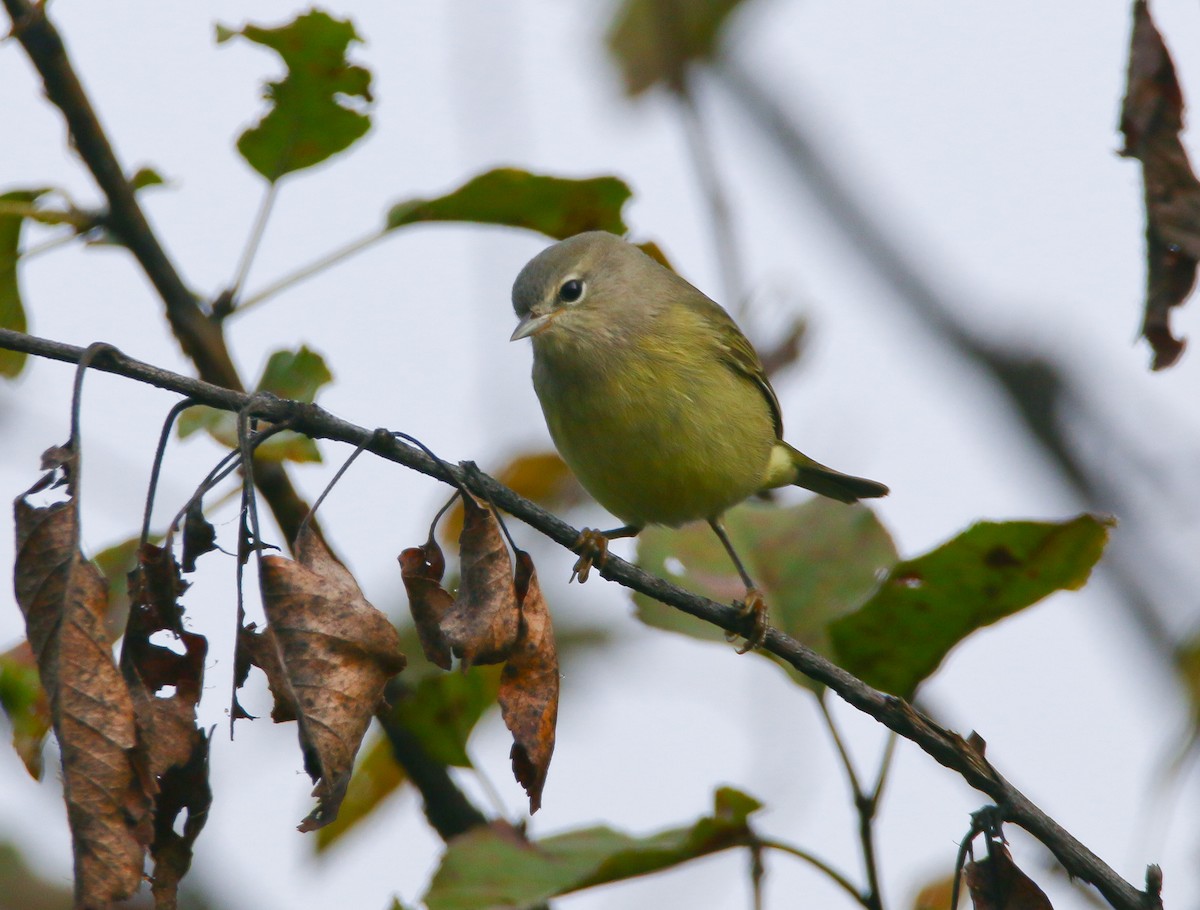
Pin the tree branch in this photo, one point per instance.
(199, 336)
(944, 746)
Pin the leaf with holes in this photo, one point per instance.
(165, 685)
(929, 604)
(814, 562)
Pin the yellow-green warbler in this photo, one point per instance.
(655, 398)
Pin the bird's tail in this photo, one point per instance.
(813, 475)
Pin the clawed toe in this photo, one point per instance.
(592, 547)
(754, 609)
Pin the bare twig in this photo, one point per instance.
(944, 746)
(865, 805)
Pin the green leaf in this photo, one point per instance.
(654, 41)
(495, 867)
(146, 176)
(314, 111)
(442, 710)
(25, 704)
(814, 562)
(555, 206)
(928, 605)
(376, 777)
(12, 311)
(297, 375)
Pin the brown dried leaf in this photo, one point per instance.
(996, 883)
(63, 598)
(422, 569)
(1151, 120)
(336, 652)
(529, 686)
(173, 749)
(199, 536)
(481, 626)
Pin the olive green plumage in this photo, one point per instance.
(651, 392)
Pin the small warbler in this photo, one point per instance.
(655, 398)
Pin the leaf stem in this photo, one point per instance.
(265, 205)
(817, 863)
(305, 272)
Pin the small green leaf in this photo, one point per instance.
(655, 41)
(297, 375)
(929, 604)
(12, 311)
(555, 206)
(25, 704)
(442, 710)
(314, 111)
(376, 777)
(495, 867)
(814, 562)
(145, 177)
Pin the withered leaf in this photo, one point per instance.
(199, 536)
(336, 652)
(422, 569)
(996, 883)
(1151, 121)
(481, 626)
(529, 686)
(174, 751)
(63, 598)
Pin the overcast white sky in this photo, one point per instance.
(985, 137)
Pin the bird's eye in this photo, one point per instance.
(571, 290)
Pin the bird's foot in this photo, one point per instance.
(592, 547)
(754, 609)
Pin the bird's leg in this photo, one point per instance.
(592, 547)
(753, 607)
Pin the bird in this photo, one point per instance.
(656, 400)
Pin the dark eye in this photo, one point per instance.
(571, 290)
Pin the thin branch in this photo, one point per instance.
(265, 205)
(305, 272)
(817, 863)
(865, 805)
(944, 746)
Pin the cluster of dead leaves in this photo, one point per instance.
(134, 761)
(497, 616)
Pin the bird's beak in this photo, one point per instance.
(531, 325)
